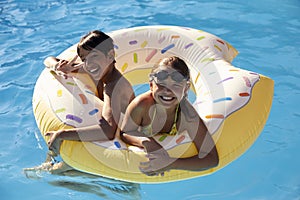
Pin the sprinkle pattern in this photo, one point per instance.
(73, 101)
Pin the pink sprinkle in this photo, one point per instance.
(247, 81)
(180, 139)
(153, 52)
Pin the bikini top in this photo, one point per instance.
(147, 130)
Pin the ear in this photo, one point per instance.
(151, 85)
(187, 88)
(111, 54)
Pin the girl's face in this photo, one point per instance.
(96, 63)
(168, 86)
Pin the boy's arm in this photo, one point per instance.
(107, 113)
(134, 138)
(99, 85)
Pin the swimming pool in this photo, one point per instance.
(266, 35)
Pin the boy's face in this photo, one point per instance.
(96, 63)
(168, 86)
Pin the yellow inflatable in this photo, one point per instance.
(234, 103)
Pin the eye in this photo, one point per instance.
(161, 84)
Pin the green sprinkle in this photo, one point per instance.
(207, 59)
(200, 38)
(60, 110)
(162, 138)
(70, 83)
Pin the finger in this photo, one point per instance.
(152, 156)
(148, 172)
(145, 164)
(62, 62)
(78, 66)
(151, 172)
(65, 76)
(61, 73)
(48, 134)
(50, 146)
(73, 60)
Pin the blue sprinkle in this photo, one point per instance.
(90, 92)
(117, 144)
(164, 50)
(222, 99)
(92, 112)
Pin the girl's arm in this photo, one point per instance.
(160, 161)
(207, 153)
(132, 120)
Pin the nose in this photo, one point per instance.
(166, 89)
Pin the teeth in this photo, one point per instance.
(167, 98)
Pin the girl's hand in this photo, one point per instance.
(159, 162)
(54, 141)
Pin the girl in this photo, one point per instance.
(165, 109)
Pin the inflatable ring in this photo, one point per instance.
(234, 103)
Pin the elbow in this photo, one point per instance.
(110, 136)
(214, 159)
(108, 128)
(211, 160)
(110, 132)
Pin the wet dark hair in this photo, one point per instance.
(176, 63)
(95, 40)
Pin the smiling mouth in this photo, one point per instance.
(166, 98)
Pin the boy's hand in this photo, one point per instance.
(54, 141)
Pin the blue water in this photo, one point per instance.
(266, 33)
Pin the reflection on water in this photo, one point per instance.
(82, 182)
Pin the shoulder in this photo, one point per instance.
(143, 100)
(141, 103)
(189, 111)
(119, 86)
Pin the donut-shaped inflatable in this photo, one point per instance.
(234, 103)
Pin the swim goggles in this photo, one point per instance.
(163, 75)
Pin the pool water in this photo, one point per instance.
(266, 33)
